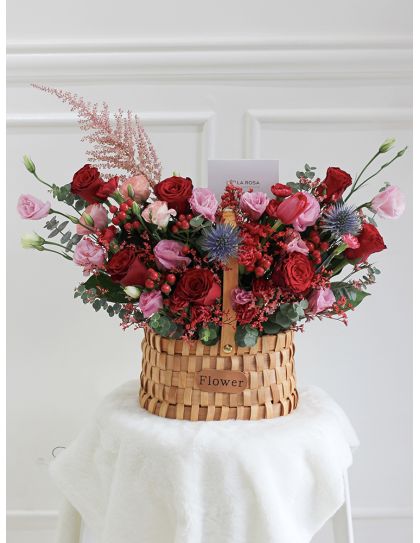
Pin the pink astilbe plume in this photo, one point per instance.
(119, 142)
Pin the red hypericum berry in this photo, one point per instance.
(123, 207)
(113, 209)
(122, 215)
(265, 263)
(318, 260)
(185, 249)
(128, 226)
(185, 225)
(171, 278)
(178, 224)
(165, 288)
(166, 301)
(115, 220)
(129, 202)
(174, 229)
(149, 284)
(314, 237)
(310, 245)
(136, 225)
(152, 274)
(259, 271)
(189, 217)
(324, 246)
(316, 254)
(181, 217)
(249, 268)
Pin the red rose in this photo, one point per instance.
(176, 191)
(281, 190)
(294, 273)
(246, 313)
(88, 184)
(334, 184)
(198, 286)
(289, 209)
(107, 235)
(370, 241)
(271, 209)
(126, 268)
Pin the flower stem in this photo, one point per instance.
(58, 253)
(355, 187)
(58, 245)
(41, 180)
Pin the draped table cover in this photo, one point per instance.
(134, 477)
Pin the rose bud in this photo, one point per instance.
(132, 292)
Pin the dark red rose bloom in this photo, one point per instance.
(246, 313)
(88, 184)
(280, 190)
(198, 286)
(175, 191)
(107, 235)
(294, 273)
(271, 209)
(370, 241)
(289, 209)
(126, 268)
(334, 185)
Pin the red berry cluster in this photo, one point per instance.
(316, 246)
(122, 213)
(154, 278)
(183, 223)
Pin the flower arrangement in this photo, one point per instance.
(153, 251)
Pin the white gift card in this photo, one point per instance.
(259, 175)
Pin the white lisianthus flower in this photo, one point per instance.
(32, 241)
(132, 292)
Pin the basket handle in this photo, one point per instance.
(230, 281)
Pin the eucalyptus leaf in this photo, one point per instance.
(353, 295)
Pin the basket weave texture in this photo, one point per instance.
(170, 388)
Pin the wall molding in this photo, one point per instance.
(204, 120)
(256, 118)
(309, 58)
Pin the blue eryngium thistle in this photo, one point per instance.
(221, 242)
(341, 219)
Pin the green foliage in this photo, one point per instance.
(114, 292)
(285, 317)
(309, 172)
(64, 194)
(209, 335)
(67, 238)
(353, 295)
(246, 336)
(164, 326)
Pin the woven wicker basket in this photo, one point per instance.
(191, 381)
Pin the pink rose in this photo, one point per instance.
(30, 207)
(140, 186)
(296, 245)
(150, 302)
(319, 300)
(309, 215)
(204, 202)
(240, 296)
(88, 255)
(169, 255)
(253, 204)
(99, 216)
(390, 203)
(158, 213)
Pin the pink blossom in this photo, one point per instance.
(295, 244)
(30, 207)
(309, 215)
(319, 300)
(351, 241)
(140, 186)
(204, 202)
(89, 255)
(150, 302)
(390, 203)
(240, 296)
(158, 213)
(99, 216)
(253, 204)
(169, 255)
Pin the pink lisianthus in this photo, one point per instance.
(295, 244)
(351, 241)
(88, 255)
(320, 300)
(158, 213)
(150, 302)
(253, 204)
(169, 255)
(240, 296)
(204, 202)
(309, 215)
(30, 207)
(390, 203)
(99, 216)
(140, 187)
